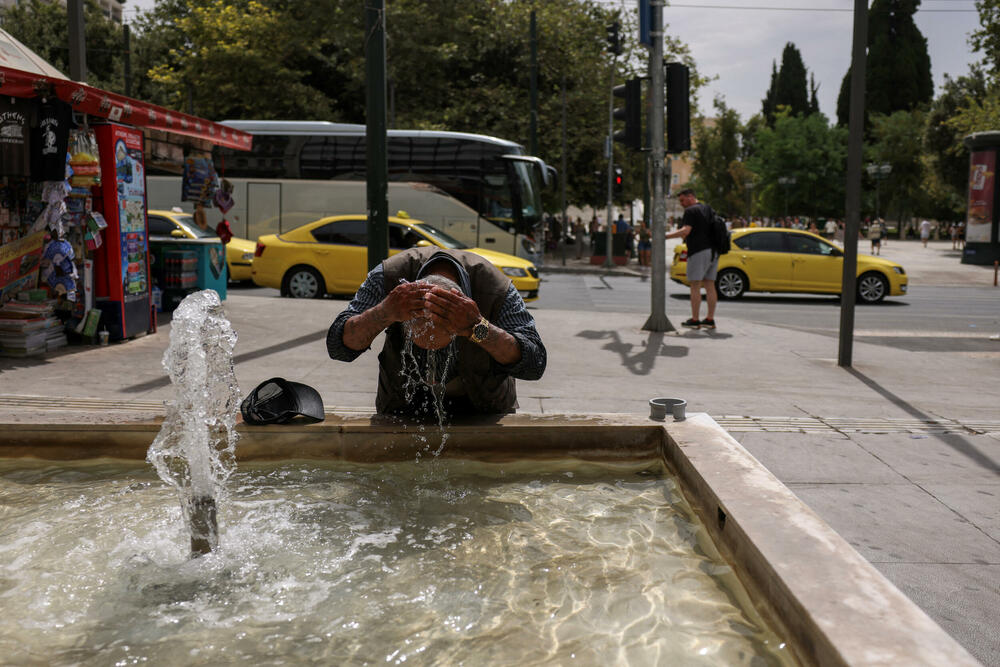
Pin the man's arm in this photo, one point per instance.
(512, 341)
(404, 302)
(370, 312)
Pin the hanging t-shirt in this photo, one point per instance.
(50, 139)
(15, 132)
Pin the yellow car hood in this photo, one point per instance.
(502, 258)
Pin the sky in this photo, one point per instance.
(738, 45)
(737, 40)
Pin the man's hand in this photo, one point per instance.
(453, 311)
(405, 302)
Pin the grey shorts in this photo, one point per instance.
(702, 265)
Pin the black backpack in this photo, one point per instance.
(718, 235)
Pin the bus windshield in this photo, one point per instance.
(442, 238)
(529, 180)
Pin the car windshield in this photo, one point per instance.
(440, 237)
(187, 222)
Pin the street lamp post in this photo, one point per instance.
(786, 181)
(749, 188)
(878, 172)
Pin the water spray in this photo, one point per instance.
(195, 449)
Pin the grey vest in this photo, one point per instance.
(488, 390)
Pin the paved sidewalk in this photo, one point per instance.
(900, 454)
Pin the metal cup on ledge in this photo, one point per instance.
(659, 407)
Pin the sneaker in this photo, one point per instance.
(707, 324)
(691, 323)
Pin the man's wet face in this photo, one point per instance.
(426, 335)
(424, 332)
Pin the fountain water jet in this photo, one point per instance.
(195, 449)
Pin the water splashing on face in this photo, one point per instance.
(195, 449)
(428, 365)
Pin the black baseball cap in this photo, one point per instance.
(278, 401)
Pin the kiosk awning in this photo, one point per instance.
(97, 102)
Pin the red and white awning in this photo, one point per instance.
(96, 102)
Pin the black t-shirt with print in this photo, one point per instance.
(15, 135)
(50, 139)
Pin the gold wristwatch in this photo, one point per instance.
(480, 331)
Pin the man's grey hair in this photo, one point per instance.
(440, 281)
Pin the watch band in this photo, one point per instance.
(480, 331)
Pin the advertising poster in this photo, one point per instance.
(982, 178)
(19, 263)
(130, 183)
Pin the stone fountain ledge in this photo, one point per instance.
(833, 607)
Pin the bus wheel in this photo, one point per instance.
(303, 282)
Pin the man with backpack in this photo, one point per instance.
(698, 231)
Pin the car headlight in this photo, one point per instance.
(899, 270)
(513, 271)
(248, 257)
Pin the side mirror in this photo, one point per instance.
(178, 234)
(424, 243)
(837, 252)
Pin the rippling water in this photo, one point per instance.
(438, 563)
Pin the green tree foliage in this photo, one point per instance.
(43, 27)
(788, 86)
(898, 142)
(946, 156)
(898, 68)
(986, 39)
(809, 150)
(232, 59)
(717, 143)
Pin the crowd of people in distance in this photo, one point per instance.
(581, 235)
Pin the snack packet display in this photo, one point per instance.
(84, 159)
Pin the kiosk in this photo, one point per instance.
(981, 224)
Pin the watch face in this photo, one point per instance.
(480, 331)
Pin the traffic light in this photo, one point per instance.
(614, 38)
(619, 184)
(678, 109)
(631, 113)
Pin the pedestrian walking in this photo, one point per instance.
(925, 231)
(953, 232)
(875, 236)
(884, 231)
(702, 262)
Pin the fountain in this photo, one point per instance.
(534, 539)
(195, 449)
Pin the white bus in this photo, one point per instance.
(482, 190)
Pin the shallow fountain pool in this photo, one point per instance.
(443, 562)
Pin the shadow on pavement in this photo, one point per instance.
(957, 442)
(643, 361)
(240, 358)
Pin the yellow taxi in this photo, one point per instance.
(176, 224)
(330, 256)
(764, 259)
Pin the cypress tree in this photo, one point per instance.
(813, 90)
(898, 70)
(768, 107)
(791, 89)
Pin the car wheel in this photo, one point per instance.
(303, 282)
(731, 283)
(872, 287)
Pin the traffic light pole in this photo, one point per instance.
(658, 317)
(610, 144)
